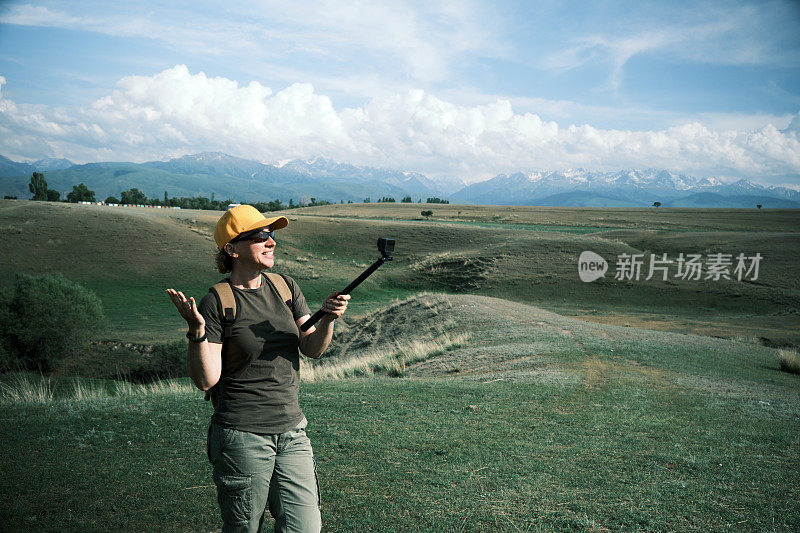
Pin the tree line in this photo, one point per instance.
(405, 200)
(81, 193)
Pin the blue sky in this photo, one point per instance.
(459, 88)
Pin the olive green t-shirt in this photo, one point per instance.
(260, 378)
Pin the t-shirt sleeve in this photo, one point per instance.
(299, 305)
(210, 310)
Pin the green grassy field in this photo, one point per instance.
(610, 406)
(584, 451)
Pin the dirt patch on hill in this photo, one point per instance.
(456, 273)
(419, 318)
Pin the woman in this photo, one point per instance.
(257, 443)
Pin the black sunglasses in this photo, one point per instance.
(262, 235)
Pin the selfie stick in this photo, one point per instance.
(385, 247)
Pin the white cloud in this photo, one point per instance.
(175, 112)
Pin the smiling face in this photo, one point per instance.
(255, 255)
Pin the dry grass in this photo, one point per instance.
(26, 388)
(163, 387)
(391, 360)
(790, 361)
(23, 388)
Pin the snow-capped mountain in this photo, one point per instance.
(414, 182)
(318, 177)
(215, 163)
(626, 187)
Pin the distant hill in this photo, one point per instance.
(9, 168)
(710, 199)
(585, 199)
(235, 178)
(229, 177)
(50, 163)
(12, 168)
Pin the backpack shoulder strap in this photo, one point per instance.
(279, 282)
(227, 304)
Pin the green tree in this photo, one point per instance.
(112, 200)
(427, 214)
(134, 196)
(53, 196)
(49, 318)
(406, 200)
(656, 204)
(80, 193)
(38, 186)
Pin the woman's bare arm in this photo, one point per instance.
(203, 359)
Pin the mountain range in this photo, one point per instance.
(583, 188)
(240, 179)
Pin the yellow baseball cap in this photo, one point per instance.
(241, 219)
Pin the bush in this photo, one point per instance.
(6, 359)
(49, 318)
(167, 360)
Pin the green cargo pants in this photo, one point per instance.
(252, 471)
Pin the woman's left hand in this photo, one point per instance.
(336, 304)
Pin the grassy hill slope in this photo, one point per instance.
(129, 255)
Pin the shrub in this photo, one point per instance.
(167, 360)
(49, 318)
(6, 359)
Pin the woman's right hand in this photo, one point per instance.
(188, 310)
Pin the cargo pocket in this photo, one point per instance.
(235, 498)
(212, 446)
(316, 481)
